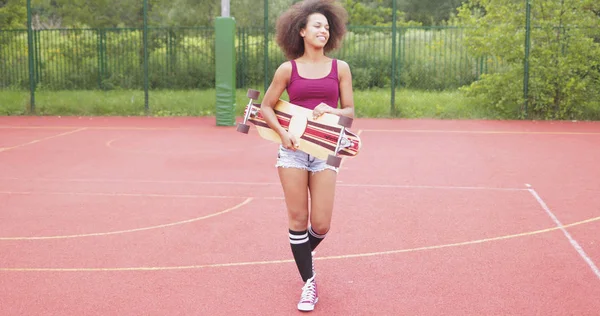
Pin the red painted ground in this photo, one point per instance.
(163, 216)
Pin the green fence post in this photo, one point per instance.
(242, 36)
(30, 53)
(100, 58)
(393, 98)
(37, 56)
(402, 53)
(266, 41)
(146, 79)
(526, 61)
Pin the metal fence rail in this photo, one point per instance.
(183, 58)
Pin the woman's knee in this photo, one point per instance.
(298, 219)
(320, 227)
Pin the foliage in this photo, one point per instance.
(13, 14)
(429, 12)
(564, 61)
(186, 13)
(369, 13)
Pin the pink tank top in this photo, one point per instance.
(311, 92)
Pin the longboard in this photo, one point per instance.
(326, 137)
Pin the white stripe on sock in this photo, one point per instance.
(297, 242)
(299, 236)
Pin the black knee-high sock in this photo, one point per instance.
(302, 253)
(315, 238)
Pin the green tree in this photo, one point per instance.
(184, 12)
(374, 13)
(564, 61)
(87, 13)
(367, 12)
(13, 14)
(429, 12)
(123, 13)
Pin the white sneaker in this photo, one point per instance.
(309, 297)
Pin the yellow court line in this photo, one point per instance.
(465, 243)
(248, 200)
(476, 132)
(42, 139)
(350, 256)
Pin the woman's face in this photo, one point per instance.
(316, 32)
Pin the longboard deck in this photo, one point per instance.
(319, 137)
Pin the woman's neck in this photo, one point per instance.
(314, 55)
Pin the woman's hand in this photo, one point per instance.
(321, 109)
(288, 141)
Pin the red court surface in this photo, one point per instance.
(176, 216)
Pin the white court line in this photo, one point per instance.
(212, 183)
(144, 181)
(439, 187)
(560, 226)
(99, 128)
(178, 196)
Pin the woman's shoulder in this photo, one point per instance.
(286, 65)
(343, 64)
(284, 71)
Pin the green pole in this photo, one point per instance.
(225, 65)
(527, 49)
(99, 36)
(30, 53)
(393, 99)
(146, 83)
(266, 41)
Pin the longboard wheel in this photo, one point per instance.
(345, 121)
(334, 161)
(243, 128)
(253, 94)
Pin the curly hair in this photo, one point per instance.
(295, 18)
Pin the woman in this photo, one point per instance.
(306, 32)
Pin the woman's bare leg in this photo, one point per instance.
(322, 196)
(295, 188)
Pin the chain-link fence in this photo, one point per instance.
(153, 57)
(183, 58)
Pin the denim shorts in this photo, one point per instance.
(287, 158)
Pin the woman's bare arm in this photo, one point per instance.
(278, 85)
